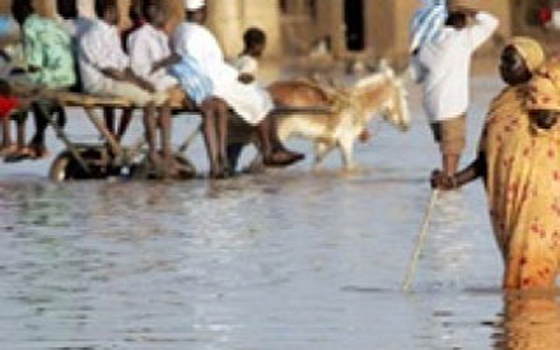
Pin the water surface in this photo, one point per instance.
(285, 260)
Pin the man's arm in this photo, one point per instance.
(474, 171)
(485, 25)
(166, 62)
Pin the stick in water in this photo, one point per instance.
(419, 243)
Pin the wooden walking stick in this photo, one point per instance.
(419, 243)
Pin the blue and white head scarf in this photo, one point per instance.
(427, 23)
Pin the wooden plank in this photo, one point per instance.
(70, 99)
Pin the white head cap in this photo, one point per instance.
(86, 8)
(194, 5)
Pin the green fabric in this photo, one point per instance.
(49, 47)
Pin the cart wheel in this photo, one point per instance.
(143, 171)
(64, 168)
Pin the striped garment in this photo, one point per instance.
(192, 80)
(427, 23)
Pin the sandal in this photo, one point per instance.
(283, 159)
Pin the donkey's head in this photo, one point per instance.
(384, 92)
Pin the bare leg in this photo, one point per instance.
(165, 134)
(21, 121)
(210, 137)
(273, 151)
(223, 118)
(150, 126)
(6, 133)
(125, 122)
(38, 141)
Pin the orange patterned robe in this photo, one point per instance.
(523, 188)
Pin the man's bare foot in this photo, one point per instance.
(8, 150)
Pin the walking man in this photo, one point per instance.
(442, 66)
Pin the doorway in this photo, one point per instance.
(354, 21)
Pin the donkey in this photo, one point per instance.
(352, 110)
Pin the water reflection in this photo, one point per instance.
(531, 321)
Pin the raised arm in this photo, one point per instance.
(485, 25)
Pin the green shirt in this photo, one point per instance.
(49, 47)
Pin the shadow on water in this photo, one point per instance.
(530, 321)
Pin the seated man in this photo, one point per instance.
(250, 102)
(105, 68)
(50, 61)
(147, 46)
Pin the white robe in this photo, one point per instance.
(250, 101)
(147, 46)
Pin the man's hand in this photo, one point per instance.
(166, 62)
(442, 181)
(146, 85)
(246, 78)
(544, 119)
(114, 74)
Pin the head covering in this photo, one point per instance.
(531, 51)
(458, 5)
(544, 89)
(427, 23)
(194, 5)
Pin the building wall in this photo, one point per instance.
(387, 26)
(228, 19)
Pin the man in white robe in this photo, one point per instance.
(147, 46)
(106, 70)
(251, 102)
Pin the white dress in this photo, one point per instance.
(247, 65)
(250, 101)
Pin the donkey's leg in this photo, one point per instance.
(346, 146)
(321, 151)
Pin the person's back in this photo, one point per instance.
(442, 65)
(48, 49)
(446, 61)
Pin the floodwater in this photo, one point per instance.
(290, 259)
